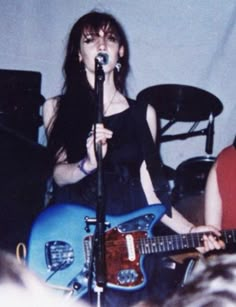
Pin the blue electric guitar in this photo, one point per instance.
(60, 246)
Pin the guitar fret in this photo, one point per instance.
(161, 245)
(184, 241)
(154, 245)
(233, 232)
(150, 246)
(229, 236)
(147, 246)
(232, 236)
(196, 239)
(176, 245)
(165, 240)
(192, 240)
(170, 243)
(142, 246)
(200, 241)
(226, 236)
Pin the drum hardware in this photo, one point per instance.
(183, 103)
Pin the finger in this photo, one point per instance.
(222, 244)
(102, 138)
(212, 229)
(215, 230)
(101, 129)
(213, 243)
(218, 244)
(206, 243)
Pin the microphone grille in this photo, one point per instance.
(102, 58)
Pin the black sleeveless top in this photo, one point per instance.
(121, 166)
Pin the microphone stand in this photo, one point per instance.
(99, 237)
(210, 135)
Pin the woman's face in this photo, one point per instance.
(92, 43)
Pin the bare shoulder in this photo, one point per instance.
(50, 104)
(49, 110)
(152, 120)
(151, 114)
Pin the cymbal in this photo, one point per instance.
(181, 102)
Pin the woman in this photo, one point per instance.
(221, 190)
(69, 120)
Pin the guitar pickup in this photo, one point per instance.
(127, 277)
(59, 255)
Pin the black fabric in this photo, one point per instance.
(122, 187)
(152, 157)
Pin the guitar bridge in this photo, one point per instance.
(59, 255)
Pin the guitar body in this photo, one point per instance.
(60, 246)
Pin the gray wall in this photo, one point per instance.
(188, 42)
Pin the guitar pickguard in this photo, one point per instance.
(126, 270)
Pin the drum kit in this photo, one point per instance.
(183, 103)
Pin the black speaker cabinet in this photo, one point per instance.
(20, 101)
(24, 164)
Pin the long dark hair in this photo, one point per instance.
(94, 21)
(76, 107)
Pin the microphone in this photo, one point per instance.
(209, 135)
(102, 58)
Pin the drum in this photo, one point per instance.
(191, 176)
(192, 208)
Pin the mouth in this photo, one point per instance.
(102, 58)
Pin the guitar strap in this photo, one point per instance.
(152, 157)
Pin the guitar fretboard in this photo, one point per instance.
(177, 242)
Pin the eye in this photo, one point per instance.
(89, 38)
(112, 38)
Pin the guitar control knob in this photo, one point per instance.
(76, 286)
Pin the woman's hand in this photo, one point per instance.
(211, 241)
(102, 135)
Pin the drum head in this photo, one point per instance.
(191, 176)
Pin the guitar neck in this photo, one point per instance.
(178, 242)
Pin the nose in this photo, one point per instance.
(102, 43)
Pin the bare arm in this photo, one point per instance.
(213, 203)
